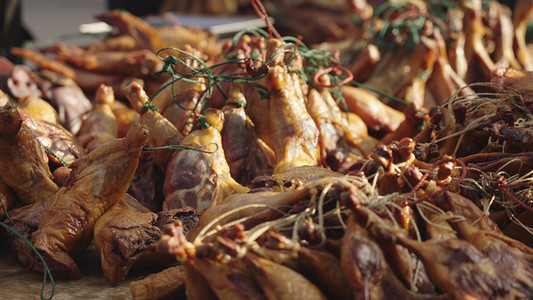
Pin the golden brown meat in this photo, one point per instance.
(90, 81)
(363, 62)
(97, 181)
(125, 116)
(294, 135)
(403, 262)
(280, 117)
(100, 125)
(402, 73)
(25, 220)
(196, 286)
(39, 109)
(23, 163)
(161, 131)
(377, 115)
(199, 179)
(503, 35)
(466, 208)
(227, 281)
(444, 80)
(518, 80)
(179, 37)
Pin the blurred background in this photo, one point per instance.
(54, 18)
(44, 22)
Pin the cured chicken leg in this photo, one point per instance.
(198, 179)
(294, 133)
(246, 154)
(161, 130)
(100, 125)
(460, 270)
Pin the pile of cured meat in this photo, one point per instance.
(390, 160)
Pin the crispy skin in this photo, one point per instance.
(196, 286)
(147, 183)
(100, 125)
(180, 37)
(518, 80)
(98, 181)
(282, 121)
(23, 163)
(462, 206)
(125, 116)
